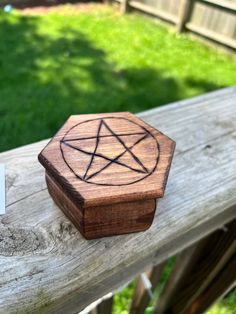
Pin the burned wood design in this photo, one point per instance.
(109, 147)
(105, 171)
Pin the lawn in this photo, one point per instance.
(62, 63)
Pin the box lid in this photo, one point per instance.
(100, 159)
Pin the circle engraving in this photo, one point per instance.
(110, 151)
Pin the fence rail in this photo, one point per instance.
(202, 273)
(46, 266)
(211, 19)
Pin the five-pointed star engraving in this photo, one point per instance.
(127, 149)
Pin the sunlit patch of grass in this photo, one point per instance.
(225, 306)
(62, 63)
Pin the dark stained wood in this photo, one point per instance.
(118, 218)
(141, 297)
(105, 172)
(99, 221)
(105, 307)
(195, 281)
(216, 289)
(178, 276)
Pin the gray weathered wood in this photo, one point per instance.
(214, 20)
(124, 6)
(212, 35)
(227, 5)
(45, 264)
(153, 11)
(184, 14)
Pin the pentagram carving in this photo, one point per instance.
(111, 151)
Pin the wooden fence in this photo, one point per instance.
(202, 274)
(212, 19)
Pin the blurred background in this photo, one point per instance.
(59, 58)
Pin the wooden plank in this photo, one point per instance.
(212, 35)
(185, 10)
(124, 6)
(221, 284)
(225, 5)
(195, 270)
(222, 247)
(105, 307)
(150, 10)
(175, 7)
(47, 267)
(178, 276)
(98, 221)
(231, 26)
(141, 297)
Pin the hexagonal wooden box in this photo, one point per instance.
(105, 171)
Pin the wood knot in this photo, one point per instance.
(207, 146)
(20, 241)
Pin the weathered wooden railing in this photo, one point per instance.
(47, 267)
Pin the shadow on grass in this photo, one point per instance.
(44, 79)
(46, 3)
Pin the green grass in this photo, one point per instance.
(122, 299)
(55, 65)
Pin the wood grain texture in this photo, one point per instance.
(113, 157)
(102, 159)
(185, 9)
(218, 287)
(141, 297)
(105, 307)
(195, 270)
(47, 267)
(102, 221)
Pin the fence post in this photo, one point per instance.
(124, 6)
(185, 11)
(141, 297)
(105, 307)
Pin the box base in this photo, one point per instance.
(102, 221)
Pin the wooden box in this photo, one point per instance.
(105, 171)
